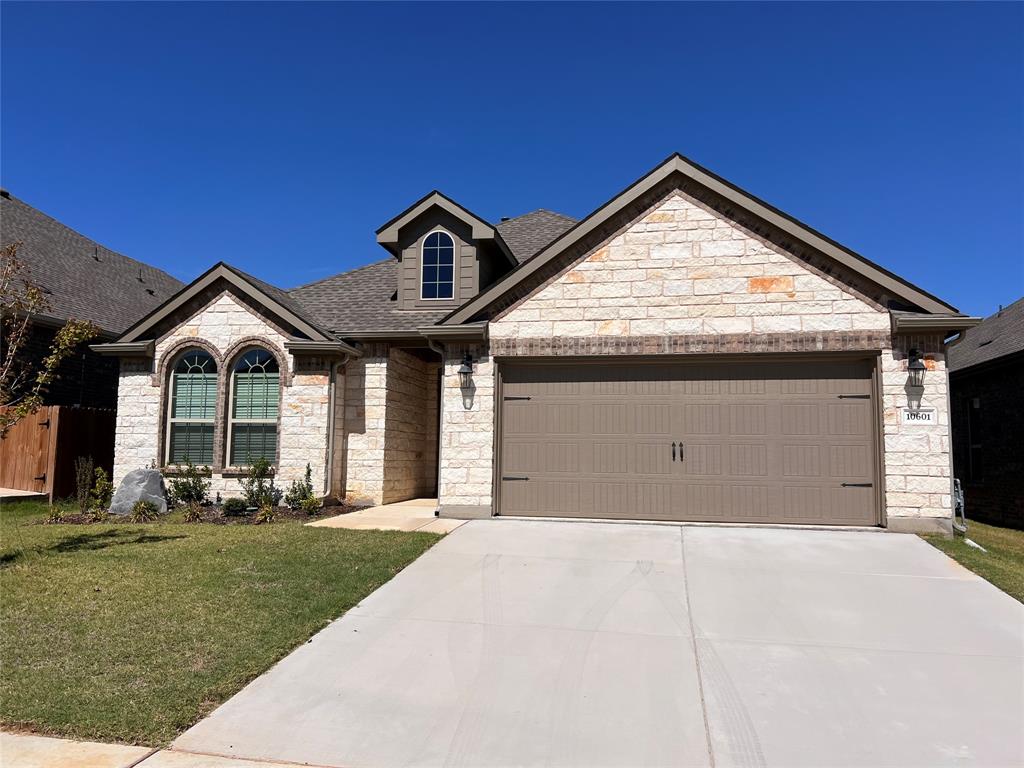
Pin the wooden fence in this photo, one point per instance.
(38, 454)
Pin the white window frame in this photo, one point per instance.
(171, 420)
(231, 420)
(423, 246)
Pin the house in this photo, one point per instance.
(80, 280)
(986, 377)
(685, 352)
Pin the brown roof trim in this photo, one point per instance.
(466, 332)
(329, 348)
(677, 164)
(222, 271)
(916, 322)
(387, 235)
(125, 349)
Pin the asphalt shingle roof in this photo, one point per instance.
(82, 279)
(997, 336)
(527, 234)
(363, 300)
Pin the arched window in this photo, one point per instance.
(438, 266)
(252, 412)
(191, 409)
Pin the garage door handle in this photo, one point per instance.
(516, 397)
(673, 451)
(514, 477)
(854, 397)
(857, 485)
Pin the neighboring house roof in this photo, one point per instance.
(527, 234)
(680, 168)
(81, 278)
(362, 301)
(999, 335)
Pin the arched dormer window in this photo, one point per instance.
(252, 411)
(191, 409)
(438, 267)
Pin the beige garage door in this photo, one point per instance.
(788, 441)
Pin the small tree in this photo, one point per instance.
(83, 482)
(22, 385)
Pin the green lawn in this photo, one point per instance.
(1002, 564)
(131, 633)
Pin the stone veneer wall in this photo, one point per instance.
(467, 434)
(917, 458)
(409, 470)
(225, 327)
(365, 409)
(685, 279)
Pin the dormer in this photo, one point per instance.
(446, 254)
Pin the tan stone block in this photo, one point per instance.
(779, 284)
(613, 328)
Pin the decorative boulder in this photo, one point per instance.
(139, 484)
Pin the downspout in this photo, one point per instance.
(331, 401)
(439, 348)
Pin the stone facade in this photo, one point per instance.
(226, 328)
(680, 278)
(467, 434)
(390, 440)
(684, 279)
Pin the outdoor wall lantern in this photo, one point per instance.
(915, 368)
(466, 372)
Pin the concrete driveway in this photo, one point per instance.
(515, 643)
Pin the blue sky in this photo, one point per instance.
(279, 137)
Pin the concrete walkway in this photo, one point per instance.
(589, 644)
(27, 751)
(413, 515)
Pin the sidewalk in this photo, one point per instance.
(412, 515)
(25, 751)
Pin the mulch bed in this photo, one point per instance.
(212, 515)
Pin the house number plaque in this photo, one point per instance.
(920, 416)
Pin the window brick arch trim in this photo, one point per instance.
(231, 357)
(163, 380)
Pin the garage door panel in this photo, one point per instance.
(701, 459)
(849, 418)
(801, 461)
(753, 441)
(533, 457)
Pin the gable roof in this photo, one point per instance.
(387, 234)
(999, 335)
(362, 300)
(274, 299)
(527, 234)
(678, 167)
(81, 278)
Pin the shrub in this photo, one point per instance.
(98, 514)
(310, 505)
(264, 515)
(193, 513)
(83, 482)
(102, 490)
(301, 491)
(258, 488)
(143, 511)
(189, 487)
(234, 506)
(54, 514)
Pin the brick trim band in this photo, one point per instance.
(571, 346)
